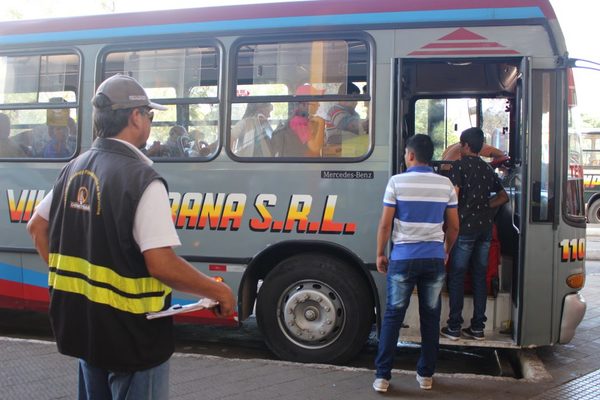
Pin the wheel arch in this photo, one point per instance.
(264, 262)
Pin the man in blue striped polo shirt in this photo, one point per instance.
(416, 203)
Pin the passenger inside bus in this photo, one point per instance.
(177, 144)
(8, 148)
(303, 135)
(346, 133)
(452, 153)
(25, 141)
(251, 136)
(480, 194)
(57, 146)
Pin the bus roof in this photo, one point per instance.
(272, 16)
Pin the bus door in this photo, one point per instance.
(540, 211)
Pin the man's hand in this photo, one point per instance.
(164, 265)
(226, 306)
(382, 264)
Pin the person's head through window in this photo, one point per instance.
(58, 133)
(176, 135)
(178, 141)
(260, 110)
(57, 146)
(307, 108)
(349, 89)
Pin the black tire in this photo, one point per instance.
(593, 212)
(314, 308)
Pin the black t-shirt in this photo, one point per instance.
(477, 181)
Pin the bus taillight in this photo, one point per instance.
(576, 281)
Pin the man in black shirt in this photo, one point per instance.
(480, 193)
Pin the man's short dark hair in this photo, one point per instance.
(422, 146)
(474, 138)
(108, 122)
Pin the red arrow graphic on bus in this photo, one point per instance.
(462, 42)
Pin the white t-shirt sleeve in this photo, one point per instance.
(153, 225)
(43, 209)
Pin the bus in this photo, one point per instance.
(292, 229)
(590, 146)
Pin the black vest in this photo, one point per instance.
(100, 288)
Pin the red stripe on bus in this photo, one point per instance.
(15, 295)
(11, 289)
(461, 45)
(36, 293)
(20, 292)
(462, 52)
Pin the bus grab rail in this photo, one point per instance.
(512, 202)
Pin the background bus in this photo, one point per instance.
(293, 231)
(590, 145)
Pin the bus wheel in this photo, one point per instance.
(593, 212)
(314, 308)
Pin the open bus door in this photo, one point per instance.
(541, 223)
(551, 234)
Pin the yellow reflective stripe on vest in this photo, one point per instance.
(151, 291)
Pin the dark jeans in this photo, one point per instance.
(402, 276)
(470, 249)
(100, 384)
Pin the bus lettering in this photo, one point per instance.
(576, 170)
(264, 222)
(211, 210)
(225, 211)
(298, 211)
(22, 209)
(189, 210)
(590, 181)
(233, 212)
(329, 226)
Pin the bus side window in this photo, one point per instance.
(40, 106)
(315, 91)
(186, 80)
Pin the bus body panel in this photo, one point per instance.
(240, 220)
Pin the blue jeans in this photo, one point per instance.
(470, 249)
(100, 384)
(402, 276)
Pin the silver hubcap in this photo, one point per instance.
(311, 314)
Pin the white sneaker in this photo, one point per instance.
(425, 382)
(381, 385)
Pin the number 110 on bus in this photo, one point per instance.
(572, 250)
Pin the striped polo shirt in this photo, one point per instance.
(420, 198)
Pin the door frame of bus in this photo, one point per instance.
(518, 143)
